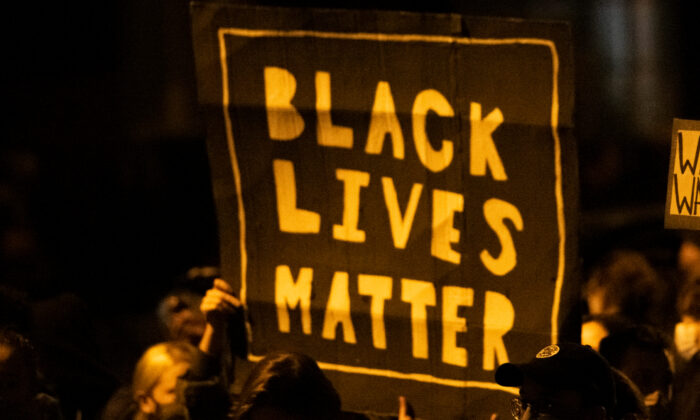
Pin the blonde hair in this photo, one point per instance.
(155, 361)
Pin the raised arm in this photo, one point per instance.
(218, 305)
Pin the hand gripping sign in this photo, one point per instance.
(396, 193)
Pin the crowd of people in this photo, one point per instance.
(638, 359)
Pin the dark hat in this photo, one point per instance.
(565, 366)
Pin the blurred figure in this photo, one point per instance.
(63, 334)
(66, 335)
(689, 255)
(287, 386)
(626, 284)
(564, 381)
(642, 353)
(21, 396)
(152, 394)
(155, 380)
(175, 379)
(180, 315)
(687, 330)
(171, 381)
(179, 311)
(686, 400)
(596, 327)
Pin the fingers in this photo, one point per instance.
(209, 307)
(218, 293)
(216, 300)
(223, 286)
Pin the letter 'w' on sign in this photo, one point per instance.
(688, 199)
(681, 155)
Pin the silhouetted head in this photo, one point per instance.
(287, 386)
(596, 327)
(625, 283)
(564, 381)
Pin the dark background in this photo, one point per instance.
(104, 178)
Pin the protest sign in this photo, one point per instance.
(682, 193)
(396, 194)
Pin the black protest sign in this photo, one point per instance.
(396, 193)
(682, 197)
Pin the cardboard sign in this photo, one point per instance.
(396, 194)
(682, 196)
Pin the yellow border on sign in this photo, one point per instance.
(418, 377)
(362, 36)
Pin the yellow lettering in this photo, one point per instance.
(329, 134)
(353, 181)
(499, 316)
(283, 120)
(338, 310)
(445, 204)
(495, 211)
(431, 100)
(419, 294)
(452, 298)
(482, 150)
(379, 288)
(289, 294)
(400, 225)
(291, 218)
(383, 121)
